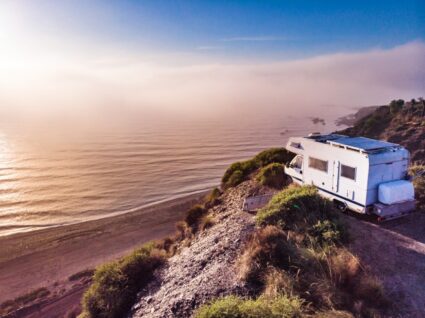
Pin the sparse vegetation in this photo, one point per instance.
(299, 251)
(272, 175)
(194, 216)
(213, 198)
(13, 304)
(236, 307)
(400, 122)
(419, 184)
(116, 284)
(240, 171)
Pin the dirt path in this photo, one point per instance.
(395, 252)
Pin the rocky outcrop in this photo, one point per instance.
(207, 268)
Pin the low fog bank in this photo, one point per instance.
(82, 91)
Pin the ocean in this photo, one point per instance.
(45, 184)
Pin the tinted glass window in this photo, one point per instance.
(348, 172)
(318, 164)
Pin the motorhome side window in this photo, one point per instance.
(318, 164)
(348, 172)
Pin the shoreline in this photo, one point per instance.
(36, 228)
(47, 257)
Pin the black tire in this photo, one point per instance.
(342, 206)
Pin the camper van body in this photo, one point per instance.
(350, 170)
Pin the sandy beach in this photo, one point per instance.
(46, 258)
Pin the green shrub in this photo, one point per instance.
(235, 307)
(240, 171)
(272, 175)
(396, 106)
(294, 207)
(327, 232)
(194, 216)
(213, 198)
(279, 155)
(115, 285)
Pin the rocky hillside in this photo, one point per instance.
(205, 270)
(399, 122)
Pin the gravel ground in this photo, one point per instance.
(395, 252)
(206, 269)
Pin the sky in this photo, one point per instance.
(206, 57)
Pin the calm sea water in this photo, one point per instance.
(46, 184)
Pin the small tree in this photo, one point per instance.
(396, 106)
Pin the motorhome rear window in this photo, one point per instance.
(348, 172)
(318, 164)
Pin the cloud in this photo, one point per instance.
(95, 85)
(261, 38)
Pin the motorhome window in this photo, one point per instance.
(318, 164)
(298, 162)
(348, 172)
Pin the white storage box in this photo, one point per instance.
(395, 191)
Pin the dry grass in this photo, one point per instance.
(206, 222)
(267, 247)
(278, 282)
(419, 184)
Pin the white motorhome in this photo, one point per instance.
(361, 174)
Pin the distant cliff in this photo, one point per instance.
(399, 122)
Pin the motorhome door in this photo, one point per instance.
(296, 168)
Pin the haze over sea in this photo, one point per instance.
(51, 182)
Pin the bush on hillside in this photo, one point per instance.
(115, 285)
(236, 307)
(272, 175)
(419, 184)
(396, 106)
(213, 198)
(296, 206)
(194, 216)
(240, 171)
(267, 247)
(327, 232)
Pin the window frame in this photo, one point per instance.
(355, 172)
(315, 168)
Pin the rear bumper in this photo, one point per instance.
(392, 211)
